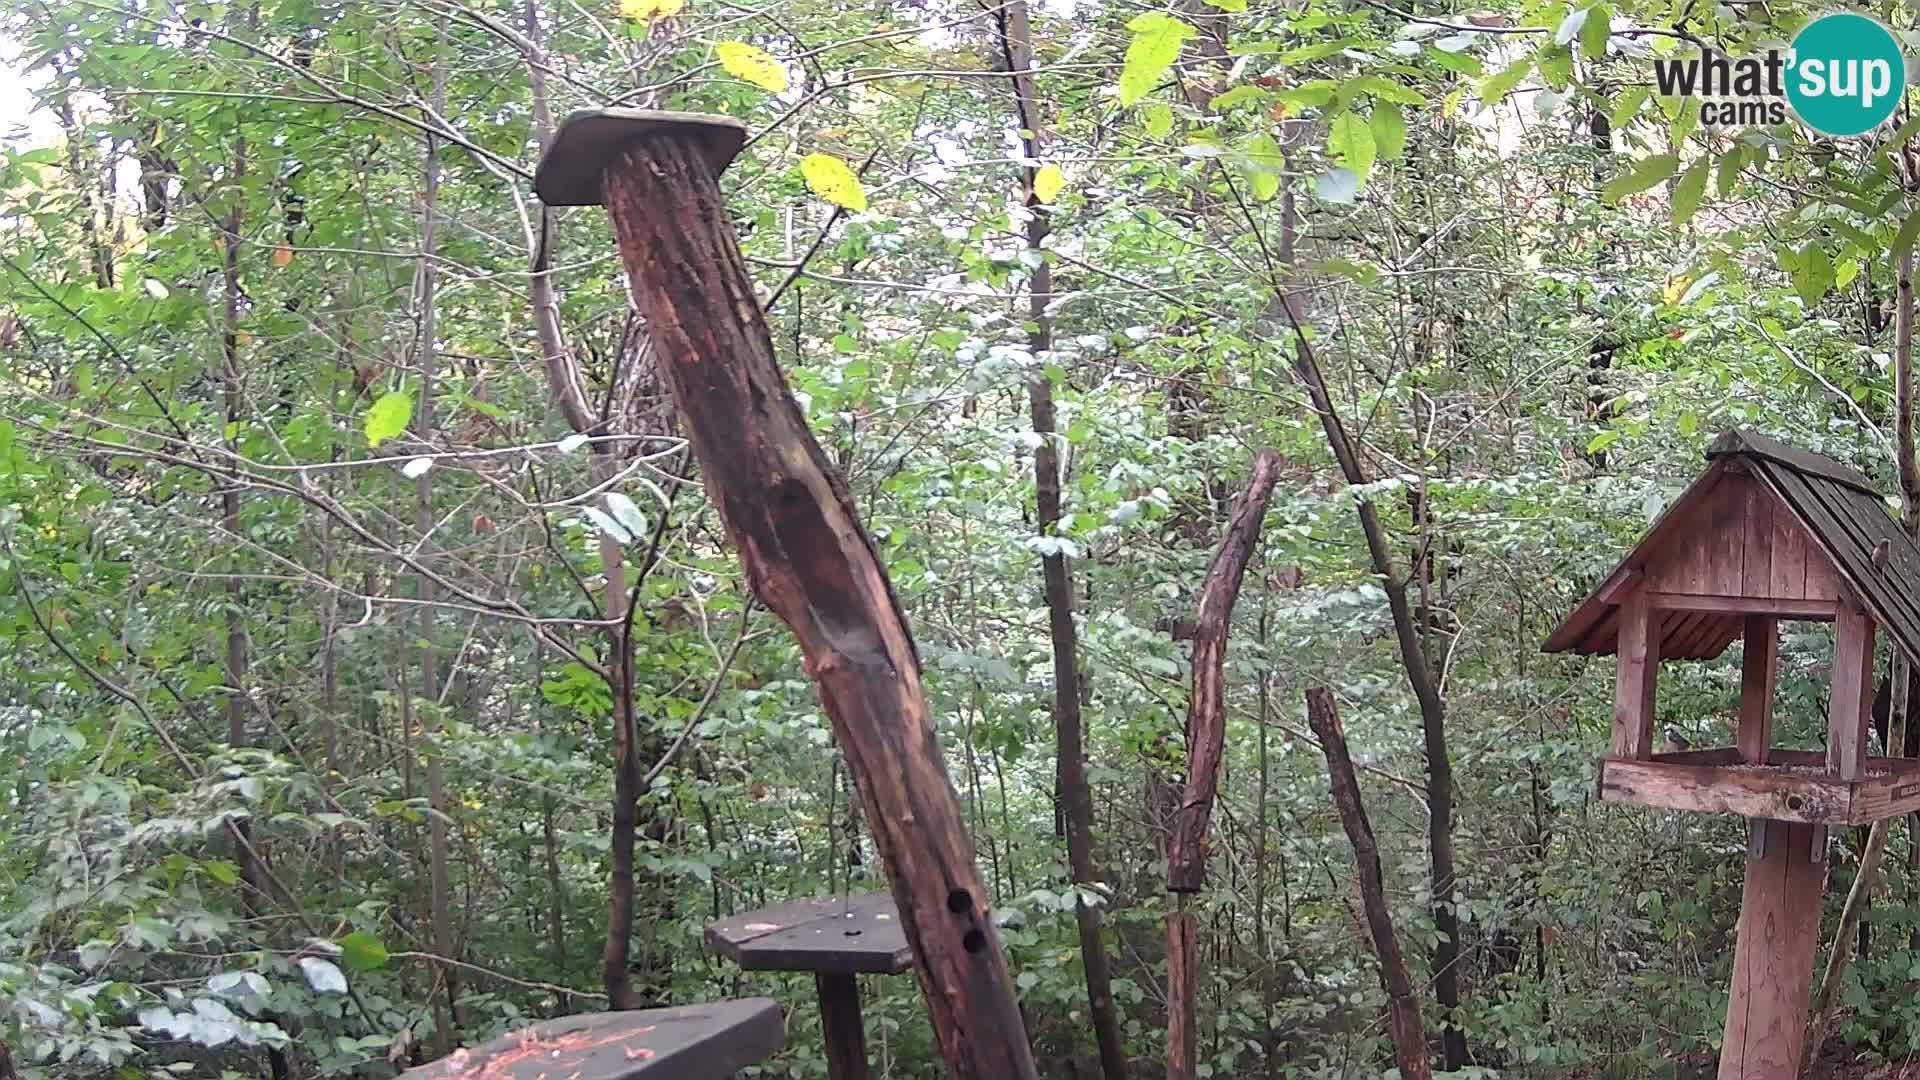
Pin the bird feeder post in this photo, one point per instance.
(805, 552)
(1768, 532)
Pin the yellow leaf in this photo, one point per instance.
(1676, 289)
(651, 10)
(756, 66)
(828, 177)
(282, 255)
(1047, 183)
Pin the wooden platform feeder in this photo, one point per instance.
(835, 938)
(1768, 532)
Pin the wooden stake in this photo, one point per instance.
(841, 1025)
(788, 513)
(1403, 1009)
(1755, 736)
(1773, 960)
(1638, 665)
(1850, 706)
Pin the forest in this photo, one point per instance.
(382, 670)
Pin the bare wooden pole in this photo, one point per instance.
(1403, 1008)
(789, 514)
(1206, 746)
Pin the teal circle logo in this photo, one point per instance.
(1845, 74)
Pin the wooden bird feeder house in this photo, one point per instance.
(1768, 532)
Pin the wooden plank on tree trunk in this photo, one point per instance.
(1637, 666)
(1757, 663)
(858, 933)
(809, 560)
(1773, 958)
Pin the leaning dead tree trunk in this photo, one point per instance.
(1403, 1009)
(1206, 745)
(788, 512)
(1826, 999)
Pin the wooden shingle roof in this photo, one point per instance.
(1795, 500)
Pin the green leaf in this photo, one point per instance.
(1688, 191)
(1602, 441)
(389, 416)
(1628, 107)
(1262, 163)
(1728, 172)
(627, 514)
(1159, 120)
(1813, 274)
(1155, 46)
(1909, 230)
(607, 525)
(1384, 90)
(362, 951)
(1235, 96)
(221, 871)
(1351, 140)
(1499, 86)
(1228, 5)
(1595, 31)
(1556, 67)
(1389, 126)
(1646, 173)
(828, 177)
(1570, 27)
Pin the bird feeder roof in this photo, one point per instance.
(1767, 528)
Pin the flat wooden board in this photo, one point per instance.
(1792, 786)
(691, 1042)
(853, 935)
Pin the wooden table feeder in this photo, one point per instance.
(835, 938)
(692, 1042)
(1768, 532)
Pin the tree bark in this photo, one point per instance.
(1074, 793)
(790, 516)
(1403, 1009)
(1206, 745)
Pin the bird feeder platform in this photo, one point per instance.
(836, 938)
(1768, 532)
(1792, 785)
(691, 1042)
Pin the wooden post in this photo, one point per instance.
(1757, 664)
(1182, 1021)
(1848, 712)
(1404, 1025)
(841, 1025)
(788, 513)
(1773, 960)
(1634, 674)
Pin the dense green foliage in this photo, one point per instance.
(281, 250)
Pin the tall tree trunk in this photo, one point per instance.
(1403, 1009)
(1420, 675)
(1206, 746)
(1826, 997)
(1075, 794)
